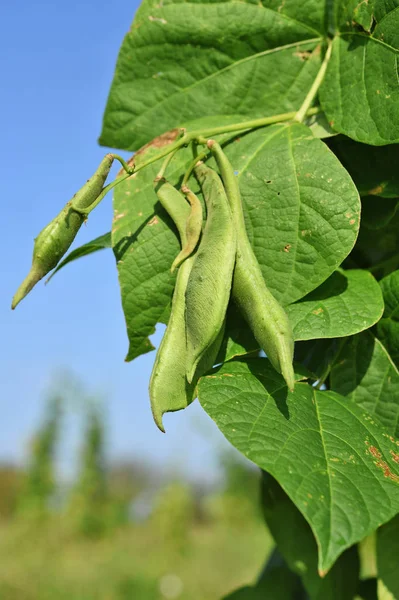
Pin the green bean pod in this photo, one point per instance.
(266, 317)
(54, 240)
(169, 389)
(176, 206)
(209, 284)
(193, 228)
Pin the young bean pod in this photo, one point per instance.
(209, 284)
(265, 316)
(54, 240)
(193, 228)
(169, 389)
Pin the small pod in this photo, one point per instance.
(266, 317)
(209, 284)
(176, 206)
(169, 389)
(193, 228)
(54, 240)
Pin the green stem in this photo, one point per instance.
(234, 127)
(165, 165)
(304, 110)
(104, 192)
(128, 169)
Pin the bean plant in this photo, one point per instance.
(258, 221)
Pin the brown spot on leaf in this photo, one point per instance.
(303, 55)
(287, 248)
(375, 452)
(395, 456)
(383, 465)
(153, 221)
(318, 311)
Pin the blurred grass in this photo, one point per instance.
(134, 562)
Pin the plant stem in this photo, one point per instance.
(304, 110)
(234, 127)
(127, 168)
(165, 165)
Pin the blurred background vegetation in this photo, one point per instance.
(125, 530)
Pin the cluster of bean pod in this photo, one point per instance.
(216, 263)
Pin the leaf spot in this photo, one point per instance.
(318, 311)
(157, 19)
(287, 248)
(303, 55)
(154, 221)
(395, 456)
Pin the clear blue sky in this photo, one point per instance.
(57, 61)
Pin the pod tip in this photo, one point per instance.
(26, 286)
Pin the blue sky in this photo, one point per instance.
(57, 62)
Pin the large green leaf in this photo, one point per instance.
(301, 210)
(388, 327)
(365, 373)
(347, 303)
(184, 60)
(330, 457)
(297, 544)
(387, 560)
(360, 92)
(372, 168)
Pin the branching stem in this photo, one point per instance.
(305, 108)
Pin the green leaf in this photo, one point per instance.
(347, 303)
(184, 60)
(387, 560)
(388, 326)
(365, 373)
(328, 455)
(297, 544)
(360, 92)
(301, 207)
(100, 243)
(374, 169)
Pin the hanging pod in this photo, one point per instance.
(267, 319)
(209, 284)
(169, 389)
(54, 240)
(193, 228)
